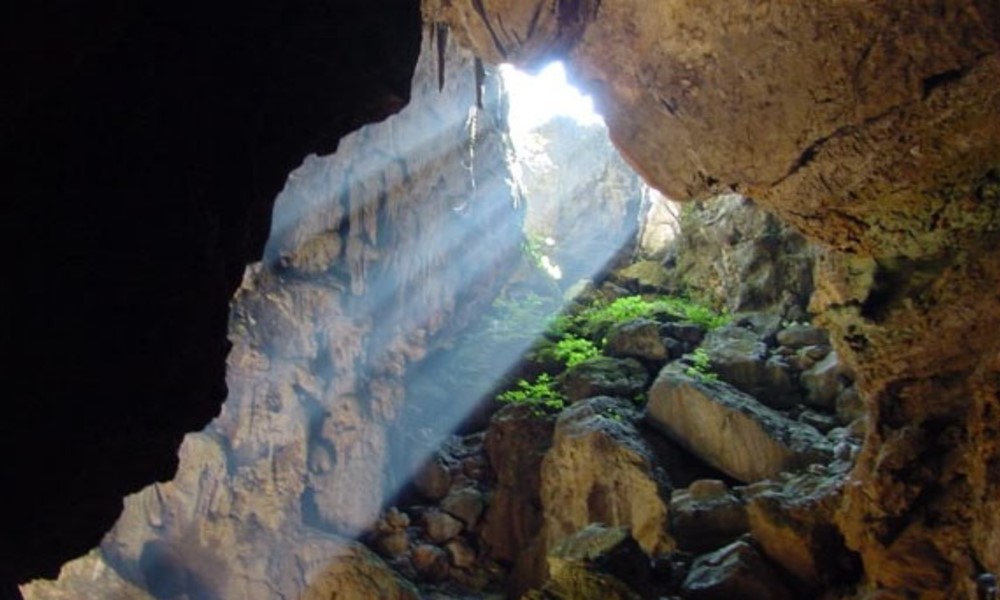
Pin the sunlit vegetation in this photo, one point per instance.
(700, 366)
(579, 334)
(540, 394)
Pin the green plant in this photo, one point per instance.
(572, 350)
(701, 366)
(600, 317)
(539, 394)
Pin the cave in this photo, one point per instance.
(147, 144)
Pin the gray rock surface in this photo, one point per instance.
(729, 429)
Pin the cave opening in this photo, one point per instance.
(706, 348)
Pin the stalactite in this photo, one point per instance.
(442, 46)
(480, 82)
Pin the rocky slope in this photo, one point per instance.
(874, 129)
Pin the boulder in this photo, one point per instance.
(460, 554)
(645, 276)
(822, 382)
(800, 335)
(739, 357)
(433, 480)
(604, 376)
(440, 526)
(430, 562)
(515, 444)
(594, 564)
(356, 574)
(599, 470)
(735, 571)
(639, 339)
(792, 520)
(706, 515)
(465, 504)
(729, 429)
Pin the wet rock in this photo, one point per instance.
(431, 562)
(800, 335)
(735, 571)
(729, 429)
(515, 443)
(465, 504)
(604, 376)
(433, 480)
(822, 382)
(600, 470)
(706, 515)
(440, 526)
(639, 339)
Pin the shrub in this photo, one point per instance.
(573, 350)
(701, 366)
(540, 394)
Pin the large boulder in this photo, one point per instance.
(515, 443)
(792, 520)
(729, 429)
(599, 470)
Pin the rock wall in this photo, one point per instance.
(143, 145)
(360, 277)
(873, 128)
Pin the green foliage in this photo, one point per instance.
(572, 350)
(602, 316)
(539, 394)
(701, 366)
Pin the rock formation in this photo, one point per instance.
(357, 282)
(873, 128)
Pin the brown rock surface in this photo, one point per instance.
(267, 497)
(873, 128)
(600, 471)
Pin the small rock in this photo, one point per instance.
(850, 406)
(822, 382)
(433, 480)
(735, 571)
(440, 526)
(604, 376)
(686, 333)
(465, 504)
(707, 489)
(431, 562)
(821, 422)
(392, 544)
(396, 519)
(638, 339)
(706, 516)
(461, 555)
(801, 335)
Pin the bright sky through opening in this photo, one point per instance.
(535, 99)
